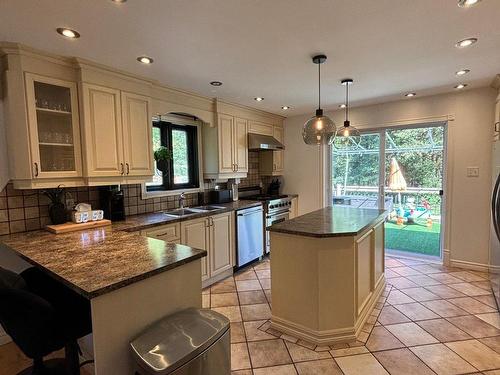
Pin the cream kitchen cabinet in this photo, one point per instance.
(258, 127)
(221, 243)
(42, 130)
(116, 134)
(168, 233)
(215, 235)
(226, 148)
(271, 163)
(294, 208)
(195, 233)
(53, 127)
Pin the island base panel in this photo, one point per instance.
(324, 289)
(121, 315)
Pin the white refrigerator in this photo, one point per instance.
(495, 209)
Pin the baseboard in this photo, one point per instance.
(471, 265)
(316, 337)
(333, 336)
(219, 277)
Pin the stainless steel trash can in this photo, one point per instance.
(190, 342)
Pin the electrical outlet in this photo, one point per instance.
(472, 171)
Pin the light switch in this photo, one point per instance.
(472, 171)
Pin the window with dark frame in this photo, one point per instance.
(182, 171)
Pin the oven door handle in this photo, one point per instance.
(277, 214)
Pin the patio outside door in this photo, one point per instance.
(401, 171)
(356, 173)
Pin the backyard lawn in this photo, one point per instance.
(414, 238)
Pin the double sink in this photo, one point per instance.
(180, 212)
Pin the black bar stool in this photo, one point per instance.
(42, 316)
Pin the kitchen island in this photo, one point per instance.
(131, 281)
(327, 273)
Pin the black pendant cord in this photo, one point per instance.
(346, 123)
(319, 86)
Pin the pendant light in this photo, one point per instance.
(320, 129)
(347, 135)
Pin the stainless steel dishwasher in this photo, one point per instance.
(249, 235)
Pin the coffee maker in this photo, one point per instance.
(112, 202)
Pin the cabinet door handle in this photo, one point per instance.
(36, 169)
(211, 221)
(128, 168)
(123, 170)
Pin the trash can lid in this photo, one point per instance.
(176, 339)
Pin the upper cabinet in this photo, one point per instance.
(226, 148)
(117, 134)
(54, 131)
(102, 131)
(72, 122)
(137, 134)
(225, 145)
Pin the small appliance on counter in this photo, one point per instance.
(112, 202)
(220, 196)
(274, 187)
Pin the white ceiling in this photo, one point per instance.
(263, 47)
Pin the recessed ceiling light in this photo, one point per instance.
(118, 1)
(460, 86)
(467, 3)
(68, 33)
(342, 106)
(285, 107)
(258, 98)
(216, 83)
(410, 94)
(145, 59)
(462, 72)
(465, 42)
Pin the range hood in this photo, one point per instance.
(258, 142)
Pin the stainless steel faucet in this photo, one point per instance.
(182, 198)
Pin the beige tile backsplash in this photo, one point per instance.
(27, 210)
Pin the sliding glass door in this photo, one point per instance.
(401, 171)
(356, 173)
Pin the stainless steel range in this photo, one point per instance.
(276, 210)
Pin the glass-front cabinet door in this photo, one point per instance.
(54, 127)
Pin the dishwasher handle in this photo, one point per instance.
(248, 212)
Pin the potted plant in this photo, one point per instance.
(162, 156)
(57, 209)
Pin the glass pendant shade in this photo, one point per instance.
(347, 137)
(319, 130)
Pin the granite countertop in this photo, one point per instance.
(144, 221)
(331, 222)
(96, 261)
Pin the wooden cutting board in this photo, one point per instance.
(73, 227)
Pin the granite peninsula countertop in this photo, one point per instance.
(97, 261)
(331, 222)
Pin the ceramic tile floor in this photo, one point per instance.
(430, 320)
